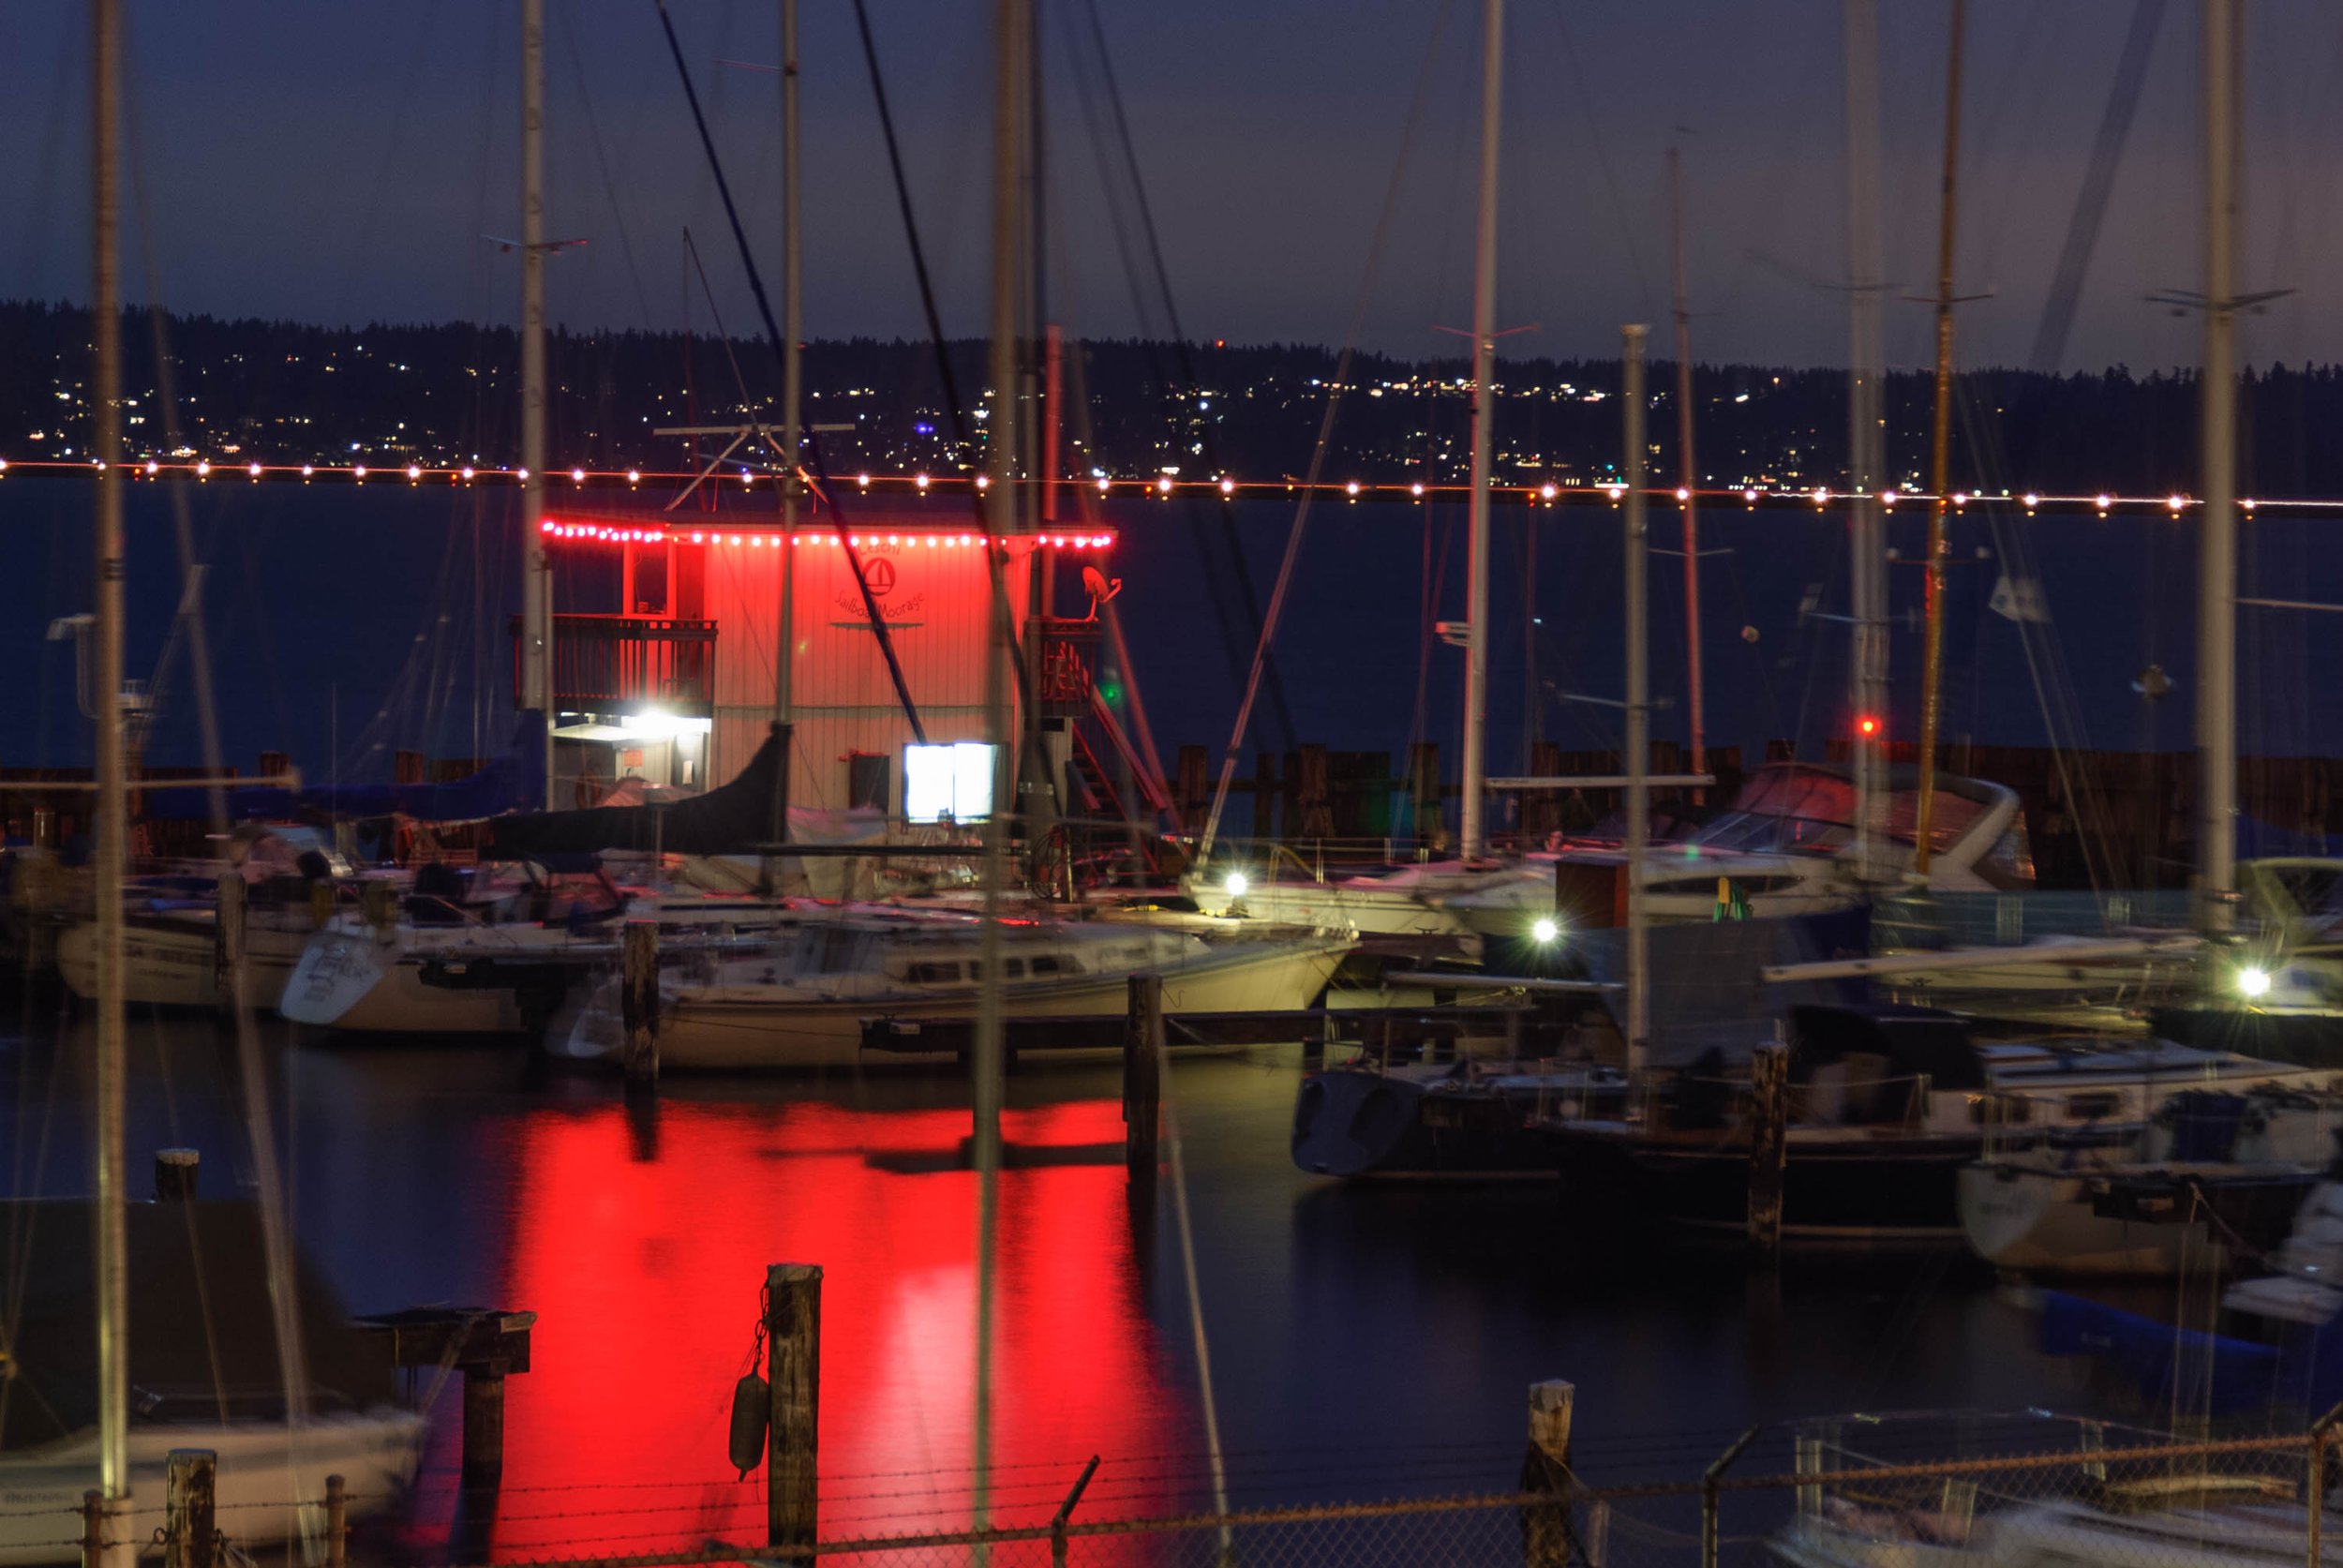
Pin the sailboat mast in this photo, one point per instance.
(1477, 515)
(113, 1267)
(1011, 19)
(2217, 570)
(792, 368)
(1687, 480)
(1638, 740)
(537, 572)
(1940, 470)
(1866, 463)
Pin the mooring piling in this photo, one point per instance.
(793, 1337)
(1143, 1072)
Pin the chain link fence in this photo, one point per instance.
(2019, 1491)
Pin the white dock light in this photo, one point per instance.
(2253, 983)
(1545, 929)
(1236, 884)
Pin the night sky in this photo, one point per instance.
(338, 162)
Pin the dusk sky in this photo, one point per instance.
(339, 163)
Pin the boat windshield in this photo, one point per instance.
(1797, 811)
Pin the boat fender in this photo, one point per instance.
(752, 1407)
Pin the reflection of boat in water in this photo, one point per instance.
(2207, 1171)
(804, 1004)
(209, 1379)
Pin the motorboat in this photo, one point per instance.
(2203, 1178)
(225, 1392)
(804, 1003)
(1886, 1104)
(1414, 903)
(1784, 847)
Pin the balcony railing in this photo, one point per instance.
(612, 661)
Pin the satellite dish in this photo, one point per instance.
(1100, 587)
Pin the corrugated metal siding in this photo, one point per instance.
(933, 600)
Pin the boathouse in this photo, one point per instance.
(666, 654)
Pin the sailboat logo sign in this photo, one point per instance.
(878, 578)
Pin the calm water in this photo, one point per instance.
(1364, 1342)
(346, 623)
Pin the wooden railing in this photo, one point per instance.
(603, 661)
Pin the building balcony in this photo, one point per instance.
(605, 662)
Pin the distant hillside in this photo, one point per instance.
(281, 391)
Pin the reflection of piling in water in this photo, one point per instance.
(638, 1002)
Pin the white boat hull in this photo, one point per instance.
(175, 964)
(776, 1026)
(365, 984)
(271, 1481)
(2040, 1221)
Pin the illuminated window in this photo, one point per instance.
(948, 781)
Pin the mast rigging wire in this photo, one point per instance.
(772, 336)
(1375, 247)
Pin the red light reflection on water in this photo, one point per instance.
(646, 1275)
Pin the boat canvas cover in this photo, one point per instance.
(514, 782)
(201, 1337)
(734, 818)
(1706, 994)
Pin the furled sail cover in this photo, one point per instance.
(731, 819)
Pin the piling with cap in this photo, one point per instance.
(1546, 1528)
(227, 940)
(175, 1174)
(793, 1336)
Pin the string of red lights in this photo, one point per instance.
(1549, 493)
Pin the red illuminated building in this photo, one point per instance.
(676, 681)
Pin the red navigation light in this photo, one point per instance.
(1867, 727)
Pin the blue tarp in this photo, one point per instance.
(2303, 1371)
(514, 782)
(2154, 1354)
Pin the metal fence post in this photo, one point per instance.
(1065, 1512)
(336, 1523)
(1711, 1486)
(2314, 1505)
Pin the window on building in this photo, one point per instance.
(867, 779)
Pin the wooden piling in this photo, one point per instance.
(93, 1529)
(1546, 1471)
(190, 1532)
(1143, 1072)
(177, 1174)
(1768, 1144)
(484, 1426)
(638, 1000)
(228, 941)
(378, 898)
(793, 1333)
(336, 1523)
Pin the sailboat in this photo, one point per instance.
(257, 1399)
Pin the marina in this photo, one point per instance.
(618, 948)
